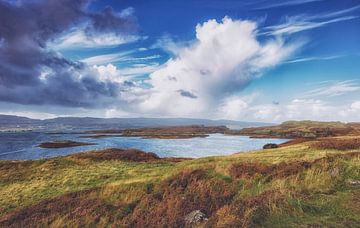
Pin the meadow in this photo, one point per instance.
(306, 183)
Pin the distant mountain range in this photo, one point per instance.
(9, 122)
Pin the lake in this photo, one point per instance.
(23, 145)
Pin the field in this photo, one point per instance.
(304, 183)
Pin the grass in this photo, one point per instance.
(296, 185)
(49, 178)
(301, 129)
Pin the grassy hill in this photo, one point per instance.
(301, 129)
(313, 183)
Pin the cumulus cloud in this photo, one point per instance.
(233, 108)
(351, 113)
(225, 57)
(32, 73)
(239, 107)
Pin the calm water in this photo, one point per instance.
(23, 146)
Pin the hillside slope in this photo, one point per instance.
(313, 183)
(301, 129)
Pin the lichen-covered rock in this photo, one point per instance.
(195, 217)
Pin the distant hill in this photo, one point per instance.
(17, 122)
(301, 129)
(10, 122)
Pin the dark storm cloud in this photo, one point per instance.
(109, 21)
(188, 94)
(31, 73)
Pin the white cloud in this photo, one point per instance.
(116, 113)
(351, 113)
(30, 114)
(108, 72)
(233, 108)
(316, 58)
(140, 69)
(168, 44)
(333, 88)
(296, 109)
(334, 13)
(355, 106)
(105, 59)
(285, 3)
(127, 12)
(117, 57)
(145, 58)
(301, 23)
(224, 57)
(78, 38)
(308, 109)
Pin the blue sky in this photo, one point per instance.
(261, 60)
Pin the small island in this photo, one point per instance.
(168, 132)
(176, 132)
(63, 144)
(99, 136)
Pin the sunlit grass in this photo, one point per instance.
(317, 195)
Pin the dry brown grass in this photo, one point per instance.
(294, 142)
(47, 210)
(249, 212)
(248, 170)
(118, 154)
(337, 144)
(178, 196)
(306, 187)
(282, 169)
(167, 202)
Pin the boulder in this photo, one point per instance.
(195, 217)
(270, 146)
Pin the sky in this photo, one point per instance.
(248, 60)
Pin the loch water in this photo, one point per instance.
(24, 145)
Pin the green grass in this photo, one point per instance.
(50, 178)
(319, 195)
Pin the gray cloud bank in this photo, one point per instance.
(32, 73)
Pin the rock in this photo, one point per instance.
(354, 182)
(195, 217)
(270, 146)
